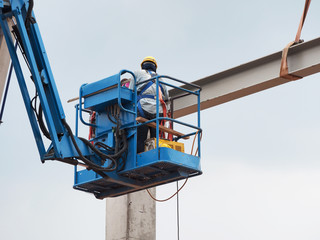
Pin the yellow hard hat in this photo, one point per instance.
(149, 59)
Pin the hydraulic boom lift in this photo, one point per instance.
(106, 165)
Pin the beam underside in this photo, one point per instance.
(249, 78)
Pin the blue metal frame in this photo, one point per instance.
(31, 42)
(158, 118)
(80, 108)
(139, 171)
(135, 92)
(23, 86)
(144, 165)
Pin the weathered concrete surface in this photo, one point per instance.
(4, 64)
(132, 216)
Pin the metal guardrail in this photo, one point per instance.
(195, 92)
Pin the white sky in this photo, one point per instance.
(260, 154)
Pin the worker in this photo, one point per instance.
(147, 99)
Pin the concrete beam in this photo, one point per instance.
(4, 64)
(249, 78)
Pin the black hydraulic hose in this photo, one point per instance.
(123, 162)
(92, 165)
(41, 123)
(100, 154)
(116, 140)
(29, 17)
(118, 154)
(71, 161)
(105, 146)
(112, 157)
(124, 148)
(108, 115)
(117, 134)
(30, 8)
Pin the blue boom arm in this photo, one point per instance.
(110, 165)
(27, 35)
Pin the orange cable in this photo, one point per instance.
(284, 71)
(164, 200)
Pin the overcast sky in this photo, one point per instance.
(260, 154)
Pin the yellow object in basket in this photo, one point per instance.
(152, 143)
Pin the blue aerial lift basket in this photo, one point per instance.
(151, 168)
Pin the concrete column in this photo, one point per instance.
(4, 64)
(132, 216)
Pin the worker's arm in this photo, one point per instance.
(138, 77)
(166, 92)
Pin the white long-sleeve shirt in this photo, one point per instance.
(148, 104)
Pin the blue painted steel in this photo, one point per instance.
(173, 120)
(121, 89)
(97, 102)
(116, 113)
(80, 107)
(47, 77)
(23, 87)
(168, 155)
(77, 122)
(18, 4)
(174, 86)
(1, 4)
(37, 80)
(151, 168)
(7, 87)
(150, 171)
(36, 56)
(199, 132)
(157, 115)
(6, 15)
